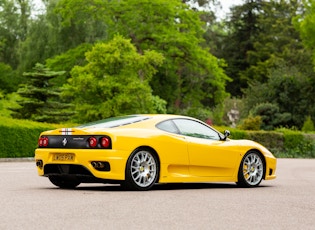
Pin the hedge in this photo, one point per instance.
(18, 138)
(282, 142)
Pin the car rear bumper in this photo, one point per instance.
(82, 161)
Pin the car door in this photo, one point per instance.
(208, 154)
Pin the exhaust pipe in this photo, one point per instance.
(94, 164)
(100, 165)
(39, 164)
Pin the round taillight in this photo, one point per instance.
(43, 142)
(92, 142)
(40, 142)
(105, 142)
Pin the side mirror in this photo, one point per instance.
(227, 133)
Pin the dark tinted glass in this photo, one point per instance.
(114, 122)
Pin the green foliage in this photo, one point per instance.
(274, 141)
(270, 115)
(39, 99)
(305, 25)
(288, 94)
(297, 144)
(200, 113)
(8, 101)
(261, 36)
(114, 82)
(279, 44)
(66, 61)
(308, 125)
(251, 123)
(49, 36)
(8, 79)
(258, 41)
(19, 137)
(282, 142)
(242, 32)
(190, 76)
(14, 18)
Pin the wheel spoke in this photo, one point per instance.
(143, 168)
(253, 169)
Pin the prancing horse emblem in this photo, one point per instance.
(64, 141)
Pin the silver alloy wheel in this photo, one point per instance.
(143, 168)
(253, 169)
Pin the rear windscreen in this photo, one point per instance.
(114, 122)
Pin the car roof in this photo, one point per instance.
(129, 119)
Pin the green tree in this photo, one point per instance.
(270, 115)
(308, 125)
(261, 37)
(40, 100)
(289, 90)
(242, 31)
(14, 17)
(49, 35)
(8, 81)
(190, 76)
(278, 42)
(305, 25)
(114, 81)
(67, 60)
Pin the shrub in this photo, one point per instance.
(251, 123)
(270, 115)
(274, 141)
(308, 125)
(297, 144)
(19, 138)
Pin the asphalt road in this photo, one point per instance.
(28, 201)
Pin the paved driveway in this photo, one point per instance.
(28, 201)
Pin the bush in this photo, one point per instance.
(308, 125)
(273, 141)
(270, 115)
(297, 144)
(19, 138)
(282, 142)
(251, 123)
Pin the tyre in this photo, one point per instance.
(64, 182)
(142, 170)
(251, 170)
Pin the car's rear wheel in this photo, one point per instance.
(251, 170)
(65, 182)
(142, 170)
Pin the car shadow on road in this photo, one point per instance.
(160, 187)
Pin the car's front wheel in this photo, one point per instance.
(142, 170)
(64, 182)
(251, 170)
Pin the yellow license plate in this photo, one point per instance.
(63, 157)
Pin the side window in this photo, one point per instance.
(195, 129)
(168, 126)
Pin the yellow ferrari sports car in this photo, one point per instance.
(138, 151)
